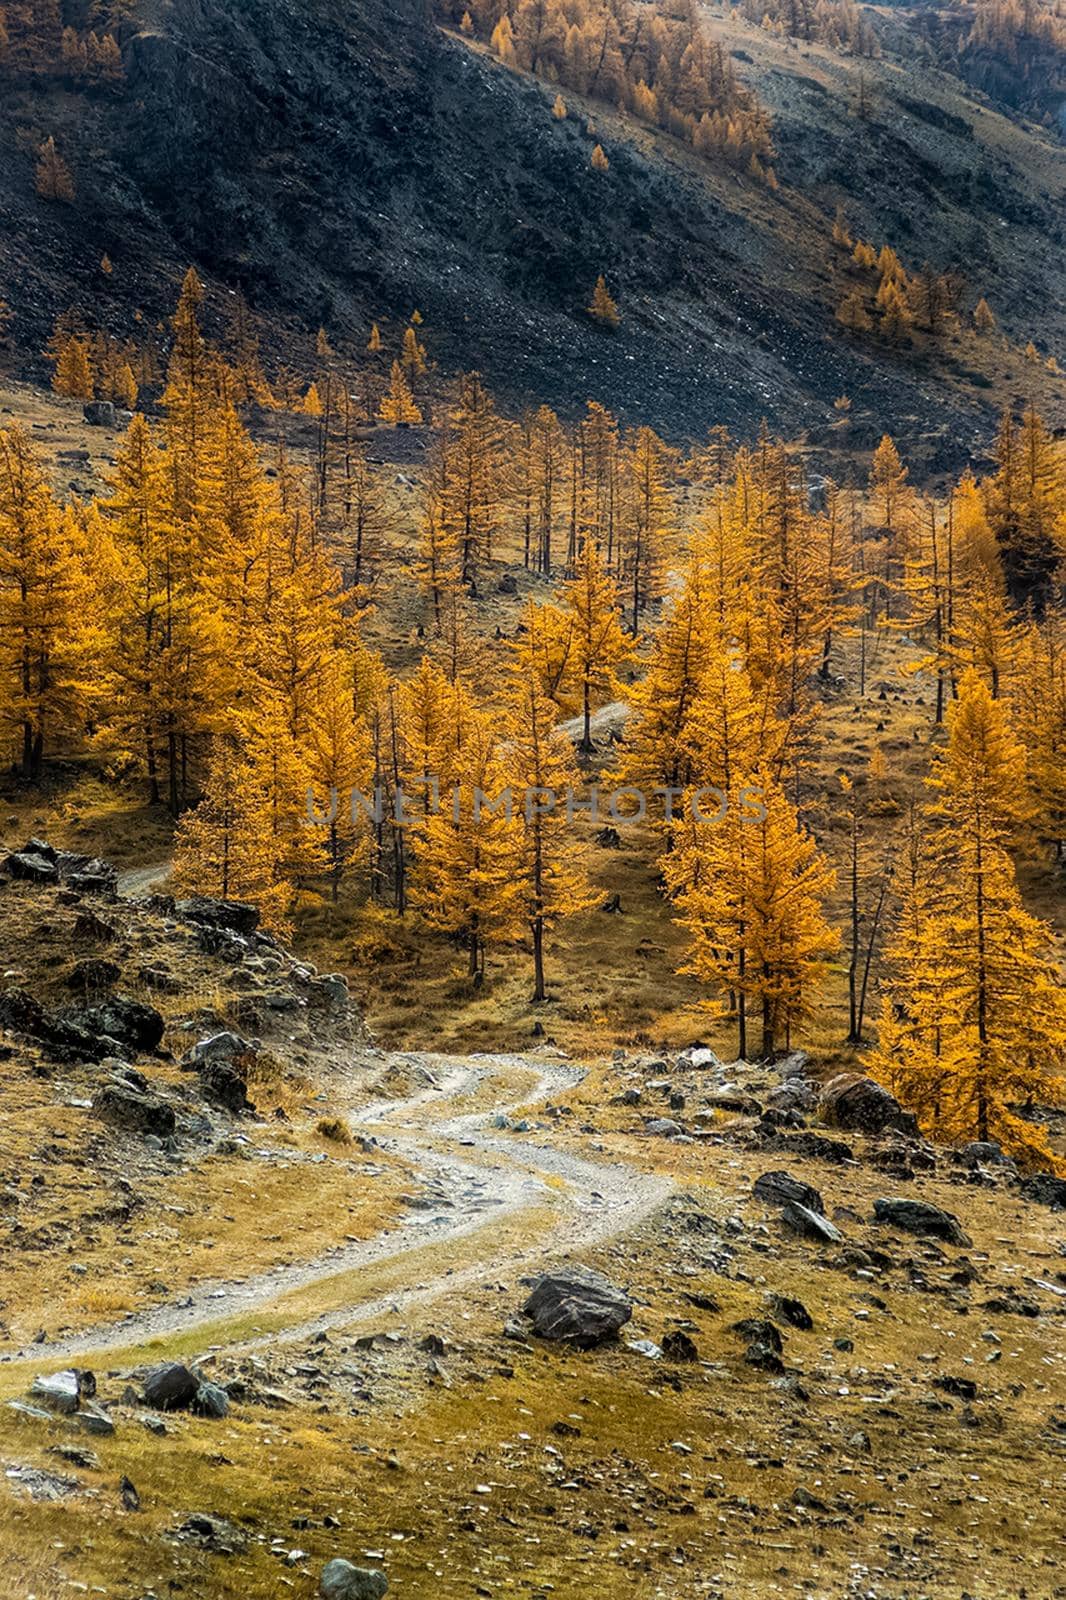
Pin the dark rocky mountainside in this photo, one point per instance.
(340, 163)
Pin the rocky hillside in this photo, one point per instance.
(344, 163)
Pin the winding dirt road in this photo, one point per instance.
(477, 1177)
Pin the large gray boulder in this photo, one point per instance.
(1046, 1190)
(125, 1107)
(918, 1216)
(341, 1580)
(859, 1105)
(577, 1305)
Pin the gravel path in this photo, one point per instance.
(476, 1176)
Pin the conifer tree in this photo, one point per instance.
(73, 375)
(656, 752)
(54, 179)
(983, 317)
(189, 397)
(338, 759)
(603, 308)
(749, 889)
(48, 640)
(398, 406)
(852, 313)
(647, 522)
(227, 847)
(465, 882)
(540, 769)
(597, 642)
(975, 1014)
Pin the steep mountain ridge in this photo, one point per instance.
(341, 164)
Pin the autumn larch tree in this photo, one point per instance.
(597, 642)
(73, 376)
(539, 767)
(749, 890)
(398, 406)
(465, 881)
(54, 179)
(974, 1026)
(602, 307)
(228, 847)
(48, 640)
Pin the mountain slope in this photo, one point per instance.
(340, 164)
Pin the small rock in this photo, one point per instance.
(133, 1111)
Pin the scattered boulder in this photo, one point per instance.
(1046, 1190)
(809, 1146)
(795, 1094)
(225, 1085)
(213, 1533)
(59, 1037)
(961, 1388)
(92, 1420)
(984, 1153)
(764, 1345)
(131, 1022)
(59, 1391)
(782, 1189)
(810, 1224)
(225, 1046)
(859, 1105)
(94, 973)
(678, 1346)
(341, 1580)
(210, 1400)
(99, 413)
(91, 876)
(29, 866)
(126, 1107)
(332, 990)
(663, 1128)
(577, 1305)
(159, 980)
(170, 1386)
(232, 915)
(918, 1216)
(97, 930)
(785, 1309)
